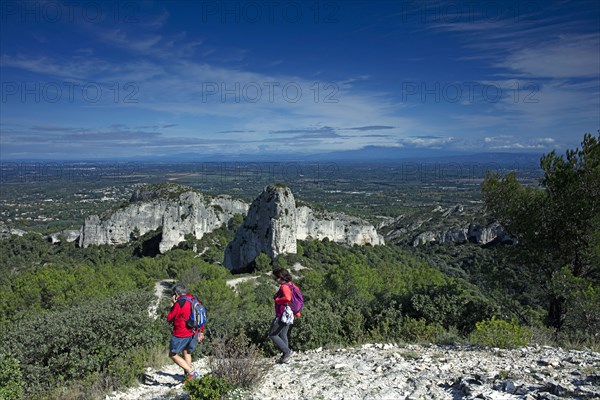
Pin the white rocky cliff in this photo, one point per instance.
(274, 223)
(175, 209)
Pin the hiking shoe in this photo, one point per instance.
(285, 358)
(190, 376)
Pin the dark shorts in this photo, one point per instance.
(178, 344)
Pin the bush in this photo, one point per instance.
(11, 380)
(580, 299)
(262, 262)
(383, 323)
(417, 330)
(353, 324)
(236, 361)
(451, 336)
(499, 333)
(319, 325)
(455, 303)
(58, 348)
(208, 387)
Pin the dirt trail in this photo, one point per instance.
(161, 288)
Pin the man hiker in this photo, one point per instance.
(183, 339)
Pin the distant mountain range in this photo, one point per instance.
(370, 154)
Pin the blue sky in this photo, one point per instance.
(96, 80)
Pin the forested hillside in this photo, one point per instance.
(74, 322)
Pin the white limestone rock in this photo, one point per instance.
(400, 372)
(70, 235)
(176, 209)
(269, 227)
(274, 224)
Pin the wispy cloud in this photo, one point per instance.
(507, 142)
(426, 141)
(370, 128)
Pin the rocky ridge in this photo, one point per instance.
(6, 231)
(274, 223)
(407, 372)
(177, 210)
(457, 224)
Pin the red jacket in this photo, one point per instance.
(283, 297)
(180, 312)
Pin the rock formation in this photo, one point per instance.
(269, 227)
(6, 231)
(456, 225)
(274, 223)
(176, 209)
(70, 235)
(474, 233)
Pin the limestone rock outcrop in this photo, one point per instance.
(176, 209)
(269, 227)
(474, 233)
(337, 227)
(457, 224)
(388, 371)
(6, 232)
(70, 235)
(274, 223)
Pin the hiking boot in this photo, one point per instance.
(285, 358)
(190, 376)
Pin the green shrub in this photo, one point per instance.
(125, 370)
(455, 303)
(418, 330)
(580, 300)
(353, 325)
(208, 387)
(11, 380)
(57, 348)
(499, 333)
(320, 325)
(383, 323)
(262, 262)
(450, 336)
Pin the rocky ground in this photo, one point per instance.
(386, 371)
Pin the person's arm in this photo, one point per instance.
(173, 313)
(176, 309)
(286, 295)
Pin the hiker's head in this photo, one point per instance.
(179, 289)
(283, 274)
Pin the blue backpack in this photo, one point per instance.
(197, 315)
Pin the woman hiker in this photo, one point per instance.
(278, 331)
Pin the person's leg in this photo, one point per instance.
(277, 327)
(283, 334)
(189, 349)
(181, 362)
(178, 345)
(187, 357)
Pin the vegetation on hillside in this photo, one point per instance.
(74, 322)
(558, 226)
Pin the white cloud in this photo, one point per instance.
(426, 141)
(568, 56)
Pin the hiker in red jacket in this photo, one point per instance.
(183, 340)
(278, 332)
